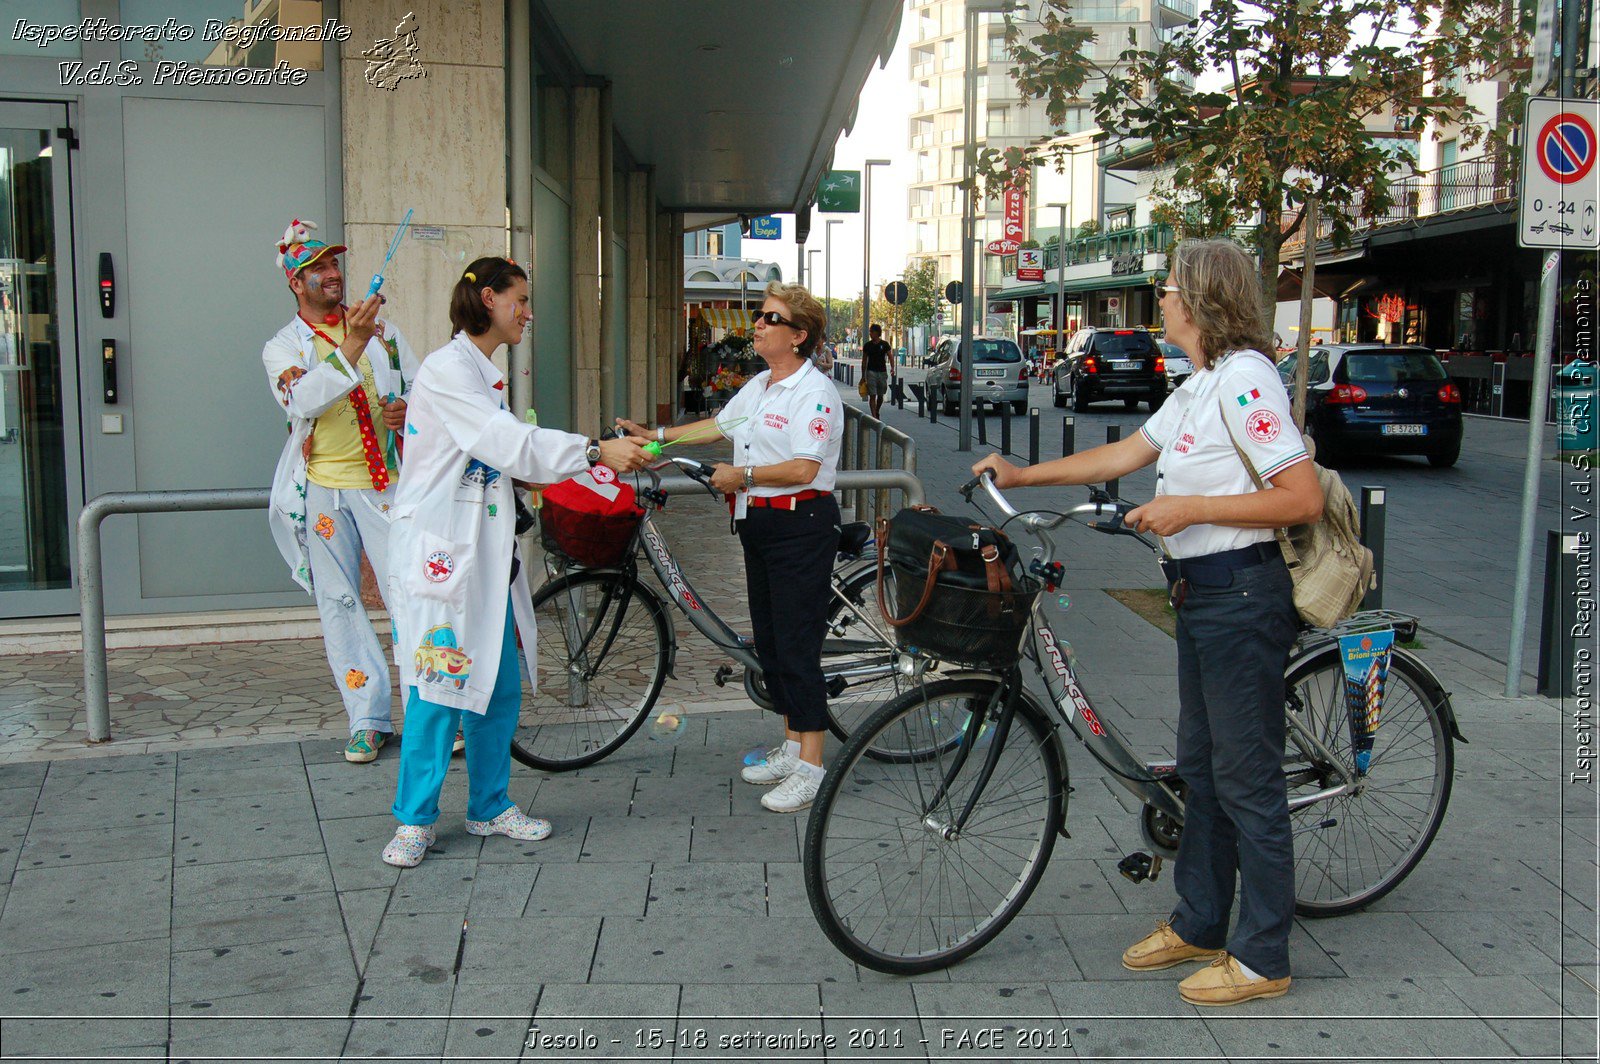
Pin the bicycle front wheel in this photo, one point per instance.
(894, 883)
(604, 642)
(1353, 849)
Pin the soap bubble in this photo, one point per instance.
(1064, 602)
(669, 727)
(756, 756)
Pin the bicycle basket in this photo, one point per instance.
(964, 605)
(590, 520)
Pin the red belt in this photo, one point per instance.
(786, 502)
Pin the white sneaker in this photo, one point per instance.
(793, 794)
(777, 767)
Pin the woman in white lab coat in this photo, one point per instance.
(462, 594)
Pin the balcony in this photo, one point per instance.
(1149, 239)
(1182, 8)
(1457, 187)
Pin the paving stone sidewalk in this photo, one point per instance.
(189, 902)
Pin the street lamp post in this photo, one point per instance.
(1059, 318)
(969, 220)
(866, 254)
(811, 270)
(827, 272)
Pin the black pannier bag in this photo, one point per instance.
(952, 589)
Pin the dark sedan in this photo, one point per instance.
(1379, 399)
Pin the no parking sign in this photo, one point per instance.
(1560, 186)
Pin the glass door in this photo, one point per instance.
(41, 486)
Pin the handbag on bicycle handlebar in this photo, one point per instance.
(959, 590)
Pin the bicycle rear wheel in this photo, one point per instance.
(604, 642)
(891, 887)
(1353, 849)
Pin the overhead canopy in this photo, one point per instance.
(1083, 284)
(1290, 282)
(725, 317)
(735, 105)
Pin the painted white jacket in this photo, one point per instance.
(452, 527)
(304, 399)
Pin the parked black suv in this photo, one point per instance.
(1104, 363)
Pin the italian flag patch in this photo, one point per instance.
(824, 409)
(1248, 397)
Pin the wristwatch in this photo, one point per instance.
(592, 453)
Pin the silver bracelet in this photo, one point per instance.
(749, 477)
(661, 434)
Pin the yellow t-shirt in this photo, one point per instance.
(337, 459)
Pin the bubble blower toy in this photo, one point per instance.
(394, 245)
(655, 448)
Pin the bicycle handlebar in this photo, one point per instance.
(1102, 513)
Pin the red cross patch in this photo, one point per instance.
(818, 428)
(1263, 426)
(438, 567)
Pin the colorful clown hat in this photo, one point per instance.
(297, 250)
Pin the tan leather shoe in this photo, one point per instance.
(1222, 983)
(1162, 948)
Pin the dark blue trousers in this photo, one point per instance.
(1233, 644)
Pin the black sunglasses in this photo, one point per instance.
(771, 317)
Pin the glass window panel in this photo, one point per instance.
(43, 18)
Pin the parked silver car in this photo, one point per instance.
(999, 375)
(1178, 366)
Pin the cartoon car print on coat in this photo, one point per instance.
(440, 660)
(479, 474)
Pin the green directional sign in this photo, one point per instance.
(839, 192)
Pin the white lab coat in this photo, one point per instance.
(452, 528)
(307, 398)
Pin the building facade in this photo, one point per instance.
(147, 173)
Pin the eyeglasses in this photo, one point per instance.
(1159, 282)
(771, 317)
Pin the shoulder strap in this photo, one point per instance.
(1289, 553)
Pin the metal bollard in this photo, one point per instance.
(933, 409)
(1374, 513)
(1560, 628)
(1068, 436)
(1113, 434)
(1033, 436)
(983, 426)
(1005, 428)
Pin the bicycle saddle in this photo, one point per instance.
(853, 538)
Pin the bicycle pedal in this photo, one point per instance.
(1139, 867)
(837, 686)
(722, 675)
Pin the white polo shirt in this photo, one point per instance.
(1197, 457)
(800, 416)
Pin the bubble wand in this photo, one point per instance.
(654, 447)
(394, 245)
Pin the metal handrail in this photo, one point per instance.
(869, 440)
(91, 593)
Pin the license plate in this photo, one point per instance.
(1404, 430)
(991, 373)
(1124, 365)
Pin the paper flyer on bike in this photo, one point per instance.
(1366, 667)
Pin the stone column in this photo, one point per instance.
(641, 277)
(435, 143)
(612, 390)
(585, 188)
(668, 309)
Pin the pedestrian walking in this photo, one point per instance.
(464, 592)
(1236, 619)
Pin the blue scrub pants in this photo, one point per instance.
(431, 732)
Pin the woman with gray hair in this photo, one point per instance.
(786, 426)
(1236, 618)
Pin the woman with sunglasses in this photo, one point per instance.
(1236, 618)
(455, 567)
(786, 427)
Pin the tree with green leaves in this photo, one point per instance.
(1289, 134)
(924, 293)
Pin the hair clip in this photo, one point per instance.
(469, 275)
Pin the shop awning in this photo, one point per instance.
(1290, 283)
(1082, 284)
(725, 318)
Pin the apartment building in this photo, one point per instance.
(937, 67)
